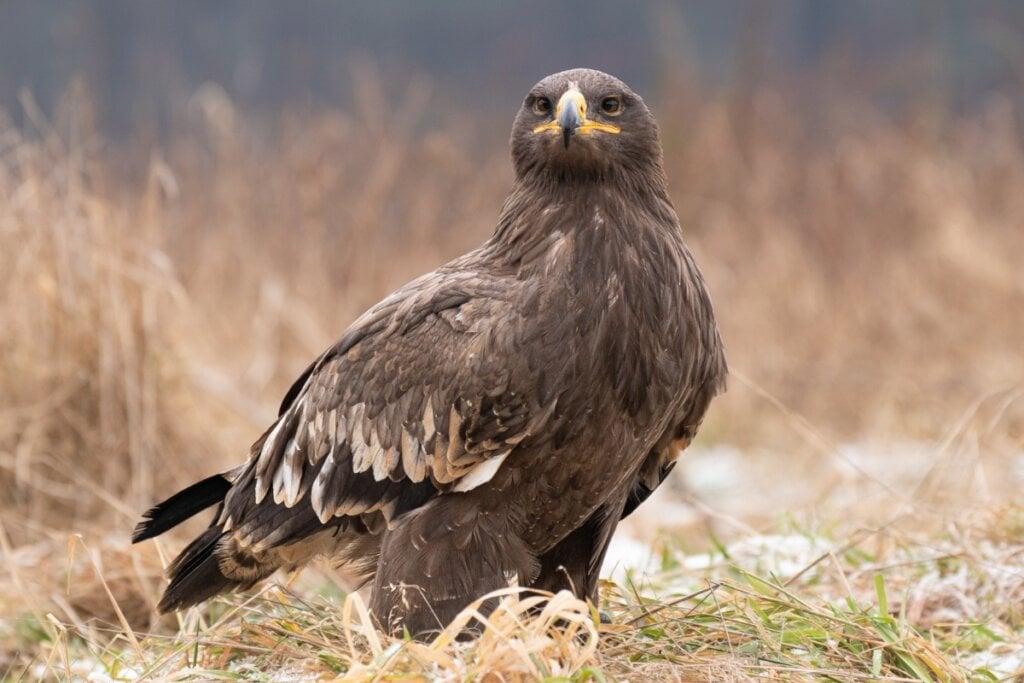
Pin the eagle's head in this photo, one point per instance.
(584, 124)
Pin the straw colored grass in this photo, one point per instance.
(882, 604)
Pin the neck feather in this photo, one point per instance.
(614, 208)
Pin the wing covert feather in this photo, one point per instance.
(419, 392)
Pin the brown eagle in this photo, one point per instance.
(493, 420)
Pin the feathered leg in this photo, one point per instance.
(439, 559)
(575, 562)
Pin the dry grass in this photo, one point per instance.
(882, 604)
(155, 305)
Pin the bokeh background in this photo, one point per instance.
(196, 198)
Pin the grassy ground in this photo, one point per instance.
(882, 603)
(847, 512)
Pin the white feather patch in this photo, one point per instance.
(455, 445)
(362, 457)
(293, 471)
(413, 461)
(481, 474)
(388, 510)
(263, 483)
(381, 459)
(386, 462)
(317, 493)
(428, 420)
(332, 426)
(262, 486)
(279, 484)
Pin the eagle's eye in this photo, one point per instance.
(611, 106)
(542, 106)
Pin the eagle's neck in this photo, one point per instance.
(598, 216)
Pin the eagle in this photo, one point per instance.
(492, 421)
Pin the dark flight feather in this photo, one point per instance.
(195, 574)
(181, 506)
(296, 387)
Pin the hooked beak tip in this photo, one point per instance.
(571, 114)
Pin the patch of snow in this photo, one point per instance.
(773, 554)
(1005, 660)
(778, 554)
(891, 462)
(628, 555)
(86, 670)
(714, 471)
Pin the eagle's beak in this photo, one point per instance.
(571, 118)
(570, 113)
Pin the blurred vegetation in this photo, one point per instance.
(157, 305)
(144, 59)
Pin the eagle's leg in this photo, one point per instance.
(575, 562)
(442, 557)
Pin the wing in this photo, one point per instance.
(418, 398)
(662, 458)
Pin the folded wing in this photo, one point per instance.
(418, 399)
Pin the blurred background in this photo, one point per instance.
(196, 198)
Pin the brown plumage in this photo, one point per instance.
(494, 419)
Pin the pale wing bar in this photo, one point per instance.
(341, 443)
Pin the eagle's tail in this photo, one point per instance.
(182, 505)
(196, 573)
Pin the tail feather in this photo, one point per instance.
(217, 562)
(181, 506)
(195, 574)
